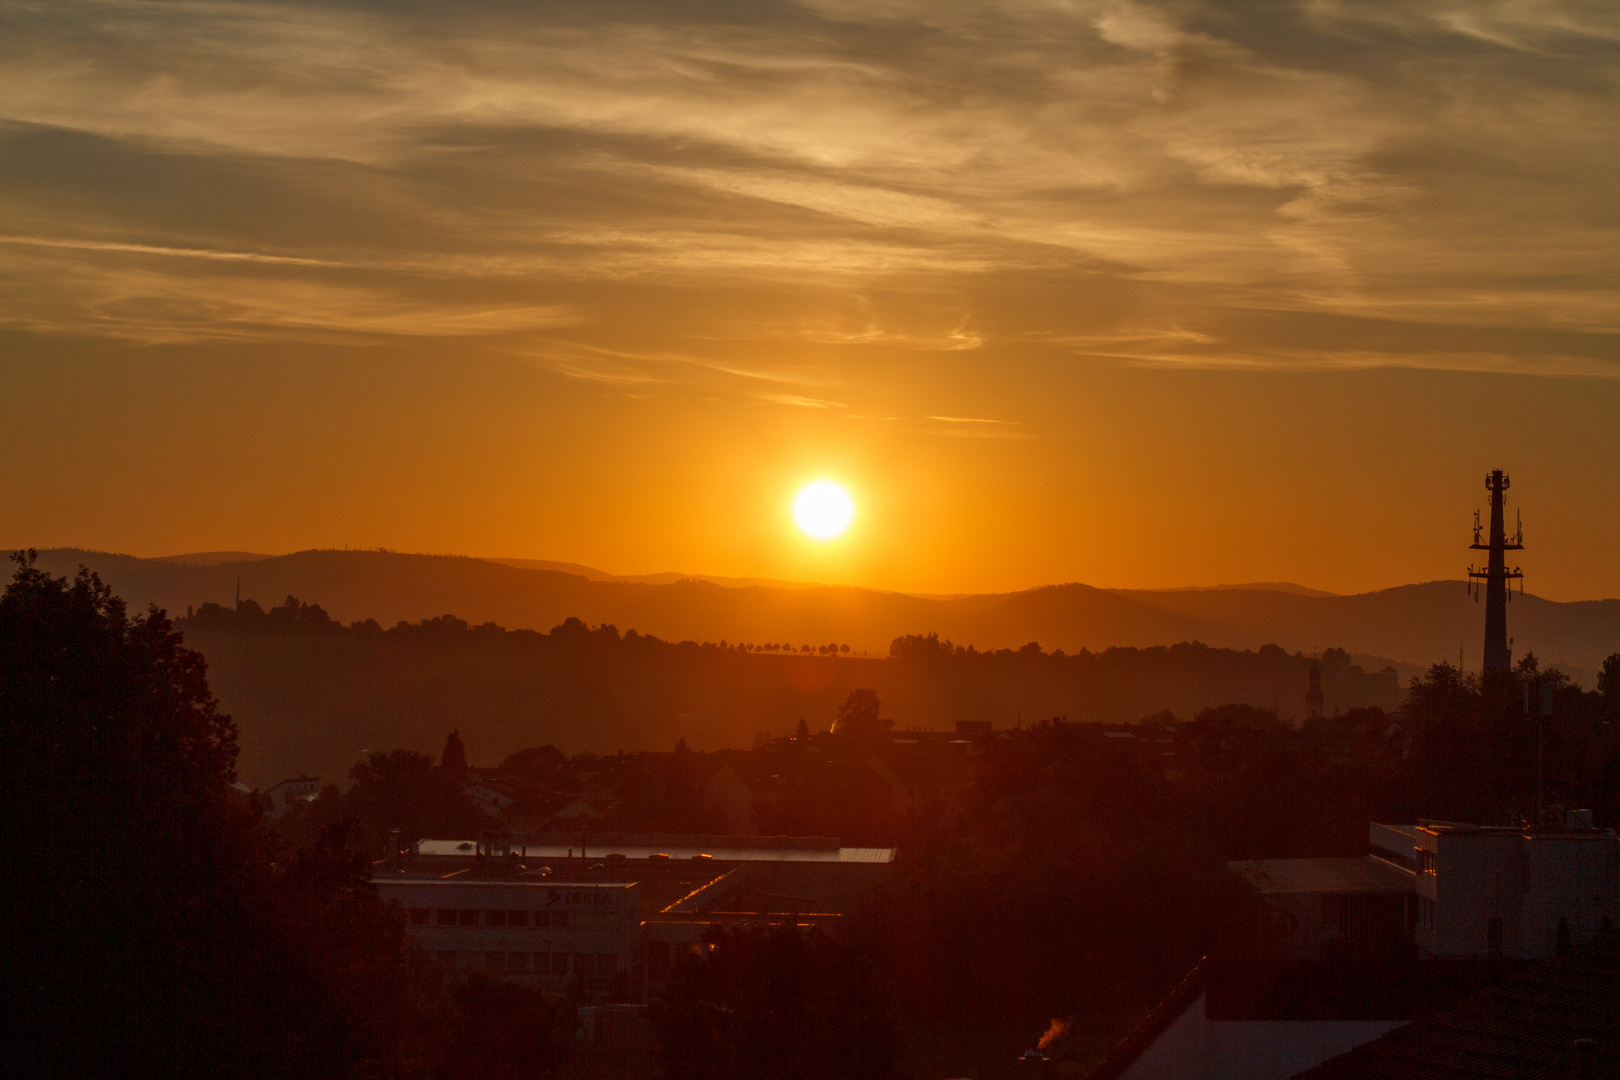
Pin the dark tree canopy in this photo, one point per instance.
(453, 759)
(154, 926)
(860, 716)
(775, 1004)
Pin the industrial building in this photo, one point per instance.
(603, 915)
(1347, 950)
(1443, 889)
(540, 931)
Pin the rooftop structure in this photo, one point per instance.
(463, 895)
(723, 848)
(1509, 891)
(292, 792)
(1554, 1019)
(1268, 1020)
(1444, 889)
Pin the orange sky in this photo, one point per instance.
(1129, 294)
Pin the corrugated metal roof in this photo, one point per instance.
(730, 854)
(1366, 874)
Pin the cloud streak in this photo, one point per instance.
(1169, 175)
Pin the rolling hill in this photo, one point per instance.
(1412, 624)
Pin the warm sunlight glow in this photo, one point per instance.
(823, 509)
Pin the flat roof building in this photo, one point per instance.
(542, 932)
(1530, 893)
(612, 909)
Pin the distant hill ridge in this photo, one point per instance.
(1417, 624)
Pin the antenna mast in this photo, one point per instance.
(1496, 576)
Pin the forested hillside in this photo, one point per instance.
(311, 694)
(1416, 624)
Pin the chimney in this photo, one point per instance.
(1586, 1057)
(1032, 1065)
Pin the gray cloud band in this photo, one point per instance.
(1218, 184)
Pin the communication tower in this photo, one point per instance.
(1496, 576)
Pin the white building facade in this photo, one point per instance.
(539, 932)
(1515, 893)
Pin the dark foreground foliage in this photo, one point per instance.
(1083, 875)
(154, 927)
(775, 1004)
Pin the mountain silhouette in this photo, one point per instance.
(1414, 624)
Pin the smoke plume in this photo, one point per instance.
(1056, 1030)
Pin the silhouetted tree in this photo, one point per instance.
(505, 1031)
(152, 928)
(453, 759)
(860, 716)
(1608, 687)
(401, 789)
(774, 1004)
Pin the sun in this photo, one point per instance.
(823, 509)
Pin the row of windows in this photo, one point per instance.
(553, 920)
(540, 963)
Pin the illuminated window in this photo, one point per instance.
(1428, 862)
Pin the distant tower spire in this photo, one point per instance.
(1313, 696)
(1496, 575)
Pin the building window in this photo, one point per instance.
(469, 917)
(557, 920)
(517, 962)
(517, 918)
(495, 961)
(1426, 913)
(447, 916)
(419, 916)
(494, 918)
(550, 963)
(607, 964)
(445, 959)
(1428, 862)
(584, 963)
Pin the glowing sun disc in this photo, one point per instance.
(823, 509)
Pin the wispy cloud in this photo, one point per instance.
(152, 249)
(1158, 183)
